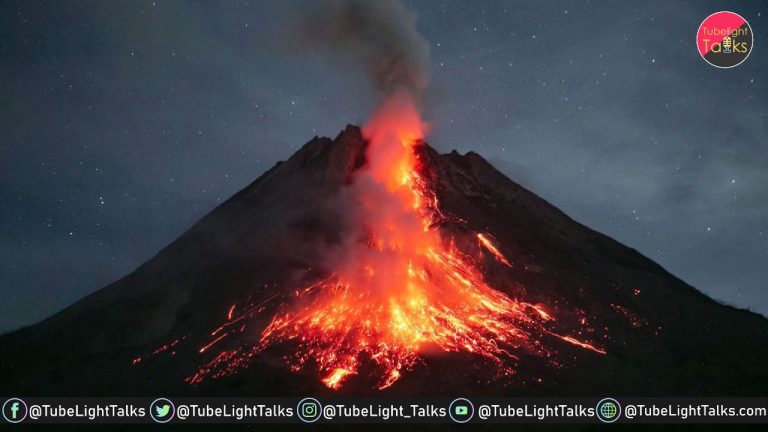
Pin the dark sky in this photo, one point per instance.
(124, 122)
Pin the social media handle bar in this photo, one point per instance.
(383, 410)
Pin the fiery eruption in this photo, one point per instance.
(399, 289)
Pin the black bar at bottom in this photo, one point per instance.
(402, 410)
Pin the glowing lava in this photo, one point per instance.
(486, 243)
(398, 290)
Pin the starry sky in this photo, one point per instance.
(124, 122)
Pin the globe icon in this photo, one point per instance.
(608, 410)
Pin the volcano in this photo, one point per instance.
(465, 282)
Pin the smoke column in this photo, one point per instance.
(380, 36)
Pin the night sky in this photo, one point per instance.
(124, 122)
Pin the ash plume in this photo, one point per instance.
(381, 36)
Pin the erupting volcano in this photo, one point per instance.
(398, 287)
(372, 264)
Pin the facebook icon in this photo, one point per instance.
(14, 410)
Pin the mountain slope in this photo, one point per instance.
(143, 334)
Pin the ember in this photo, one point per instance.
(400, 288)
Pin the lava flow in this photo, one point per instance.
(398, 288)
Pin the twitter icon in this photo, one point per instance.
(162, 410)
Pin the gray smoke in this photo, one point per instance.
(378, 34)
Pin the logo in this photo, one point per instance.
(308, 410)
(162, 410)
(724, 39)
(461, 410)
(14, 410)
(608, 410)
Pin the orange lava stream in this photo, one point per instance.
(404, 290)
(486, 243)
(579, 343)
(398, 290)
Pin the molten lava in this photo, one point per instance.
(398, 289)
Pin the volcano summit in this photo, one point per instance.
(372, 264)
